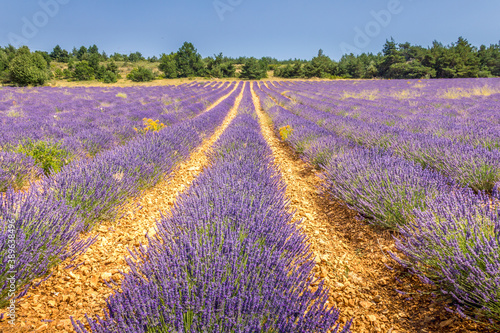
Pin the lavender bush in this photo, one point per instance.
(16, 170)
(382, 187)
(455, 243)
(37, 232)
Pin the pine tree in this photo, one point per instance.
(168, 65)
(188, 61)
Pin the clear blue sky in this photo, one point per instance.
(281, 29)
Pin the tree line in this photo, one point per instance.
(395, 61)
(404, 61)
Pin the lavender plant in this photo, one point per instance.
(455, 243)
(36, 233)
(382, 187)
(16, 170)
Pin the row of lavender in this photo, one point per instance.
(474, 166)
(86, 131)
(434, 104)
(41, 227)
(61, 113)
(228, 258)
(472, 120)
(449, 234)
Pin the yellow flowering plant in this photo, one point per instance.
(150, 125)
(285, 132)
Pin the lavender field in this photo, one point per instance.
(419, 157)
(416, 159)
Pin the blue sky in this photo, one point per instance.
(281, 29)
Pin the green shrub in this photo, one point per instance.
(51, 157)
(83, 71)
(112, 67)
(28, 68)
(109, 77)
(67, 73)
(141, 74)
(58, 73)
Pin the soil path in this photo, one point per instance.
(48, 307)
(350, 257)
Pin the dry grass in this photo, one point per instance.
(406, 94)
(454, 93)
(123, 83)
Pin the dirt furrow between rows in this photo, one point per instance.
(351, 258)
(74, 293)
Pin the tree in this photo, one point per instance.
(213, 66)
(45, 56)
(93, 50)
(289, 71)
(28, 68)
(391, 56)
(109, 77)
(319, 66)
(369, 64)
(284, 72)
(371, 70)
(168, 65)
(253, 70)
(219, 67)
(93, 60)
(56, 53)
(117, 57)
(188, 61)
(135, 57)
(4, 65)
(228, 69)
(489, 59)
(81, 53)
(465, 59)
(112, 67)
(11, 52)
(410, 70)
